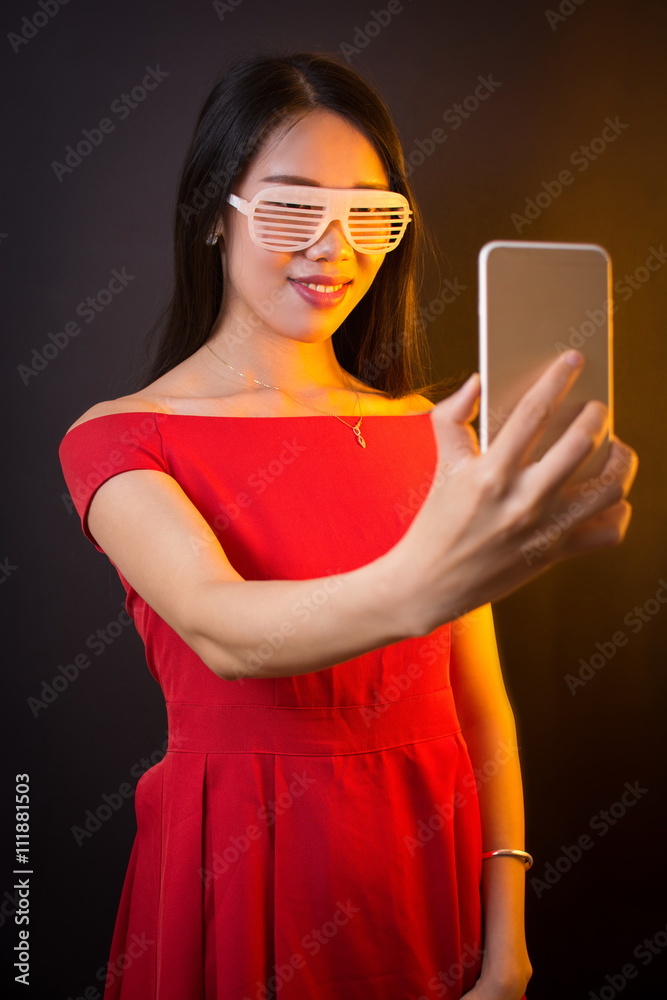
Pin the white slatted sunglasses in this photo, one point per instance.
(290, 217)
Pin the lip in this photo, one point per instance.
(321, 300)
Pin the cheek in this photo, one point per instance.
(251, 269)
(369, 269)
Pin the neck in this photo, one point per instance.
(295, 365)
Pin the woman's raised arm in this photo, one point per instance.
(470, 543)
(167, 552)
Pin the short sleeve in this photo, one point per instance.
(97, 449)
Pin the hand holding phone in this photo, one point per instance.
(537, 300)
(492, 522)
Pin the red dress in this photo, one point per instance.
(310, 837)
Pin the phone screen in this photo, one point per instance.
(537, 300)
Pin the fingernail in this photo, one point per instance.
(574, 358)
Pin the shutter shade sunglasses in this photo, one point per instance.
(290, 217)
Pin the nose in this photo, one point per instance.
(332, 244)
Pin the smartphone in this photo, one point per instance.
(537, 300)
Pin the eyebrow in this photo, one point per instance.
(292, 179)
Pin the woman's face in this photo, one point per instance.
(266, 289)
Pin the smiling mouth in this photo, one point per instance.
(324, 293)
(321, 288)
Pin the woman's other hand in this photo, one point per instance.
(490, 991)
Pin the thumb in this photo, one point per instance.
(464, 403)
(451, 418)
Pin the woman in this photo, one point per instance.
(296, 519)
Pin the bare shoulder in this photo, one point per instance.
(383, 403)
(124, 404)
(416, 404)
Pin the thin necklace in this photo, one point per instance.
(356, 427)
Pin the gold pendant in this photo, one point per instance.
(359, 437)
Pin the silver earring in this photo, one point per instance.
(212, 239)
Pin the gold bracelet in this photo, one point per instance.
(524, 855)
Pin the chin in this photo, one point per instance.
(311, 329)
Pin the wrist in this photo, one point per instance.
(506, 976)
(419, 604)
(505, 965)
(394, 595)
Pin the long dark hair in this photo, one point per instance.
(382, 341)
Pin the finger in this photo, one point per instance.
(451, 417)
(584, 436)
(529, 418)
(612, 485)
(600, 532)
(463, 404)
(625, 460)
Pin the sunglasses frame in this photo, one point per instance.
(337, 203)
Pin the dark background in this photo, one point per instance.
(556, 83)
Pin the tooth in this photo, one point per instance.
(327, 289)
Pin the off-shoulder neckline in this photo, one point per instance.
(223, 416)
